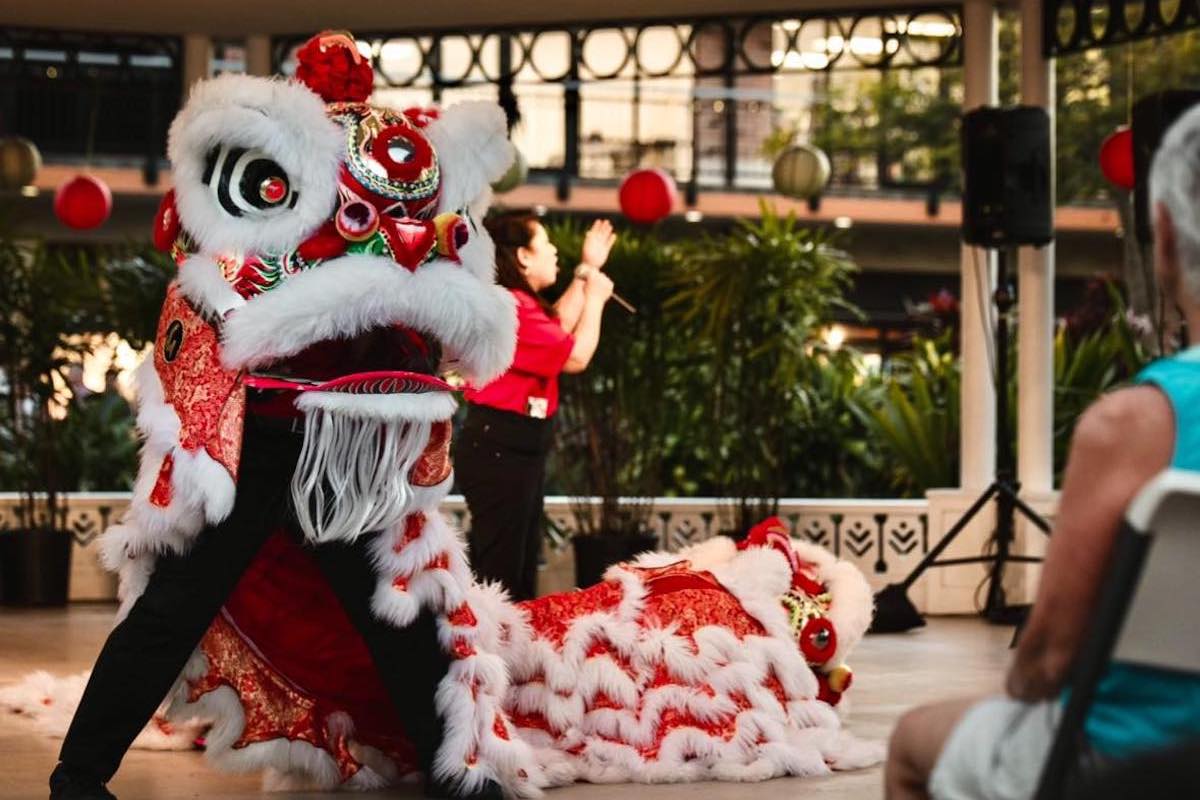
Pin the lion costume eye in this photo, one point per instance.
(245, 181)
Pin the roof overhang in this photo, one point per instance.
(233, 18)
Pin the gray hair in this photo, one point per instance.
(1175, 182)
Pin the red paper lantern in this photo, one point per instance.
(647, 195)
(83, 202)
(1116, 158)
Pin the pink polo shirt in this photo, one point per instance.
(543, 348)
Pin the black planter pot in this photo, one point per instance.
(35, 567)
(594, 554)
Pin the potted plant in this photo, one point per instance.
(55, 300)
(613, 415)
(751, 305)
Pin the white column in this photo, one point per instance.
(977, 448)
(258, 55)
(197, 57)
(1035, 337)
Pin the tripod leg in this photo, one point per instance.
(996, 604)
(950, 535)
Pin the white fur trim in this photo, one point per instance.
(801, 736)
(702, 556)
(758, 577)
(202, 493)
(424, 407)
(283, 119)
(224, 707)
(50, 702)
(202, 283)
(754, 573)
(202, 489)
(853, 604)
(471, 140)
(434, 574)
(474, 321)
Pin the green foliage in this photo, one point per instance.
(749, 305)
(101, 444)
(719, 385)
(55, 300)
(913, 415)
(901, 125)
(834, 454)
(1096, 90)
(1088, 365)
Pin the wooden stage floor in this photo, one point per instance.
(951, 657)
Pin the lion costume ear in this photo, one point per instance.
(471, 140)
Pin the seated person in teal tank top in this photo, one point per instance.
(1138, 708)
(994, 748)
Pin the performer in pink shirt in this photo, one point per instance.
(500, 460)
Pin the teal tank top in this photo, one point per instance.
(1136, 707)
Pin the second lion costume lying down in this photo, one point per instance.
(721, 662)
(713, 663)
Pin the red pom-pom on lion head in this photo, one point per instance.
(330, 65)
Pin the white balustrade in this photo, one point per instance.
(883, 537)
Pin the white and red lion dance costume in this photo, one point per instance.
(309, 225)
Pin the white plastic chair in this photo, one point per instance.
(1149, 609)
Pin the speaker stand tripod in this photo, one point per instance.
(894, 612)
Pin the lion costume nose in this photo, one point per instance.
(840, 678)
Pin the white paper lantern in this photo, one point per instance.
(19, 162)
(801, 171)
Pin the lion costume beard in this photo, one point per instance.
(353, 474)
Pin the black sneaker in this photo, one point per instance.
(69, 784)
(446, 790)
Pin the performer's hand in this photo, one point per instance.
(598, 243)
(599, 286)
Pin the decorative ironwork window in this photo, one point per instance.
(702, 47)
(697, 97)
(1071, 26)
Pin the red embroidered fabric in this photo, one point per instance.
(161, 494)
(434, 465)
(284, 645)
(551, 616)
(209, 400)
(291, 654)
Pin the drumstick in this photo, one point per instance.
(583, 270)
(623, 303)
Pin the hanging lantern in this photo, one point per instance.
(19, 162)
(647, 195)
(1116, 158)
(801, 171)
(518, 171)
(83, 202)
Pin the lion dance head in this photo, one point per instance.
(329, 250)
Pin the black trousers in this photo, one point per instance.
(500, 466)
(146, 651)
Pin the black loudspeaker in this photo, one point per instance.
(1006, 177)
(1152, 116)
